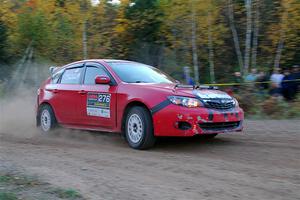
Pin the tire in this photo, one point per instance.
(47, 120)
(139, 128)
(210, 136)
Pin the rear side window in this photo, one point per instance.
(91, 73)
(71, 76)
(55, 77)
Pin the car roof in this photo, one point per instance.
(95, 60)
(114, 60)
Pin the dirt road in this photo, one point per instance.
(263, 162)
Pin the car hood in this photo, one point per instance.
(188, 92)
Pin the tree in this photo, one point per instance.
(248, 6)
(144, 21)
(288, 38)
(194, 42)
(235, 37)
(3, 40)
(8, 22)
(255, 33)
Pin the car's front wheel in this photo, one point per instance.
(47, 120)
(139, 128)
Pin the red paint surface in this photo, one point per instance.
(69, 104)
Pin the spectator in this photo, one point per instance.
(251, 77)
(276, 79)
(296, 76)
(238, 80)
(288, 86)
(191, 81)
(262, 77)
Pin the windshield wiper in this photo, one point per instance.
(208, 87)
(140, 82)
(178, 85)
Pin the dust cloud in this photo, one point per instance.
(17, 106)
(18, 114)
(18, 109)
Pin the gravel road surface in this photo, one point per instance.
(263, 162)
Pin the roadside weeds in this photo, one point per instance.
(15, 186)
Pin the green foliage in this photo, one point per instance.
(259, 106)
(3, 40)
(15, 186)
(66, 193)
(1, 91)
(5, 178)
(7, 196)
(156, 32)
(33, 28)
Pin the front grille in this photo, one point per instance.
(219, 126)
(220, 104)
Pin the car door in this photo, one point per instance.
(99, 100)
(66, 95)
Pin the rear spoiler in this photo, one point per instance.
(53, 69)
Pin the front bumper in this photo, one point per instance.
(174, 120)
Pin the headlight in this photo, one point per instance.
(185, 101)
(236, 103)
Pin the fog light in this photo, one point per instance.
(183, 125)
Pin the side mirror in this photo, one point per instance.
(102, 79)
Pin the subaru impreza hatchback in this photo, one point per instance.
(134, 99)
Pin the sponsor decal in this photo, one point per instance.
(98, 104)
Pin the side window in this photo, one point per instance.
(71, 76)
(91, 73)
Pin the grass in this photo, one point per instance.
(8, 196)
(5, 179)
(15, 186)
(66, 193)
(23, 181)
(258, 107)
(1, 90)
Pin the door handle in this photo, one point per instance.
(82, 92)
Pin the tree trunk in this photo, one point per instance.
(255, 34)
(194, 44)
(280, 45)
(84, 40)
(235, 35)
(211, 50)
(279, 50)
(248, 5)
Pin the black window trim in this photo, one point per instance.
(100, 66)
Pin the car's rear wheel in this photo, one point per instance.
(47, 119)
(139, 128)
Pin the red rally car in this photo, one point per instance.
(135, 99)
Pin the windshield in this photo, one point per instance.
(131, 72)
